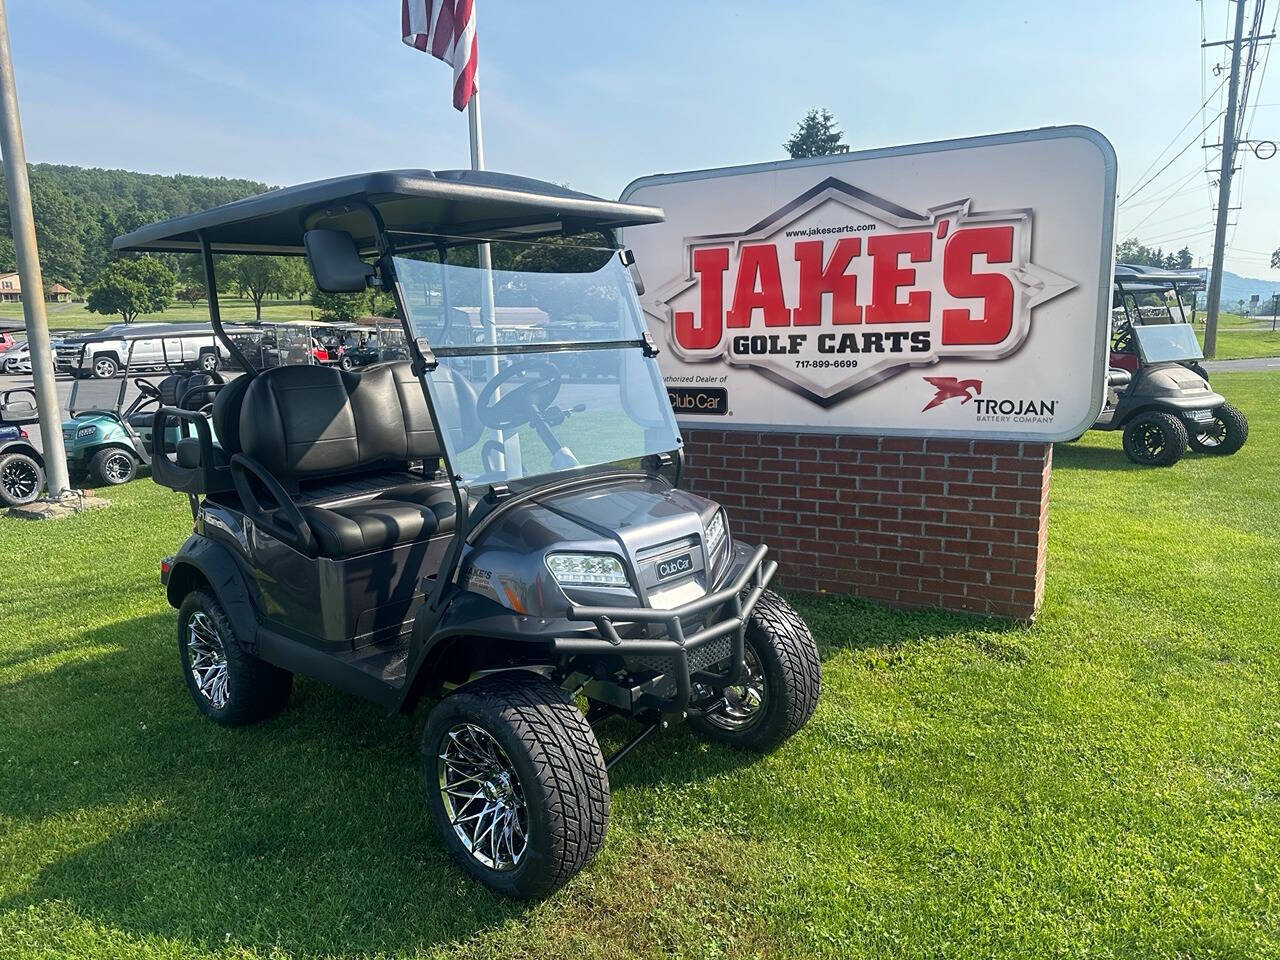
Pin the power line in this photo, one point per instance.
(1154, 210)
(1190, 120)
(1133, 193)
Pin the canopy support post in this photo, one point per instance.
(215, 315)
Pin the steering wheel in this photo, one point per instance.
(147, 388)
(1123, 342)
(535, 384)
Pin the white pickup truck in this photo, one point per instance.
(107, 352)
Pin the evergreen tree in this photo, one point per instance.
(816, 136)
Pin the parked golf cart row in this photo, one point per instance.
(1158, 391)
(107, 436)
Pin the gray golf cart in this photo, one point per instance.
(1165, 405)
(480, 525)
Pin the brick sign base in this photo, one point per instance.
(955, 524)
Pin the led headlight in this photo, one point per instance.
(715, 535)
(584, 569)
(88, 431)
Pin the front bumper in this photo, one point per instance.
(723, 613)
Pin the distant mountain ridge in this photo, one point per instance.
(1236, 288)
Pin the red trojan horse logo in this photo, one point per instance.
(949, 387)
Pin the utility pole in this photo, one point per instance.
(24, 243)
(1224, 190)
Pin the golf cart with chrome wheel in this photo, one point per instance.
(1164, 405)
(21, 464)
(480, 526)
(108, 434)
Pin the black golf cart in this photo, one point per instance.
(480, 525)
(21, 464)
(1165, 405)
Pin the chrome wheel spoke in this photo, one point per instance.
(482, 796)
(208, 659)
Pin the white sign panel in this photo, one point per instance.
(960, 288)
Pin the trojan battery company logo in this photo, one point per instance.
(987, 409)
(840, 289)
(948, 387)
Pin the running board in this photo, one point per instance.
(378, 677)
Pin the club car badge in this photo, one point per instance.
(840, 289)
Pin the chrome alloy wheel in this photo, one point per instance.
(20, 480)
(208, 658)
(482, 797)
(742, 705)
(116, 468)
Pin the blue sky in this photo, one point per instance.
(597, 94)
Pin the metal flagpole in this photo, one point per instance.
(28, 256)
(488, 318)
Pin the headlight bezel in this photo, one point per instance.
(89, 430)
(609, 572)
(716, 534)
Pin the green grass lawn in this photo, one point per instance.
(75, 316)
(1104, 783)
(1242, 344)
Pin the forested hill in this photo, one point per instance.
(80, 210)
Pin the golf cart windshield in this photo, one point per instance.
(1173, 341)
(542, 363)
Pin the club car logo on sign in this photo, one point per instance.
(839, 290)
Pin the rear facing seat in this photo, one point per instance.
(311, 426)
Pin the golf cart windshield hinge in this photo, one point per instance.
(425, 354)
(498, 492)
(650, 346)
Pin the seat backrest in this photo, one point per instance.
(176, 386)
(310, 421)
(226, 413)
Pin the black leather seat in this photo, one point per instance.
(307, 424)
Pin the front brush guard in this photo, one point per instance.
(741, 596)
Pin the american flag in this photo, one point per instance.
(446, 29)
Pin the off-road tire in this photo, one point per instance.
(101, 473)
(1172, 446)
(1236, 432)
(792, 673)
(21, 479)
(256, 689)
(560, 768)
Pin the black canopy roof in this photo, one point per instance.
(465, 203)
(1141, 279)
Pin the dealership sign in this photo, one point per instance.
(958, 287)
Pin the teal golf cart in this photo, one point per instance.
(108, 434)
